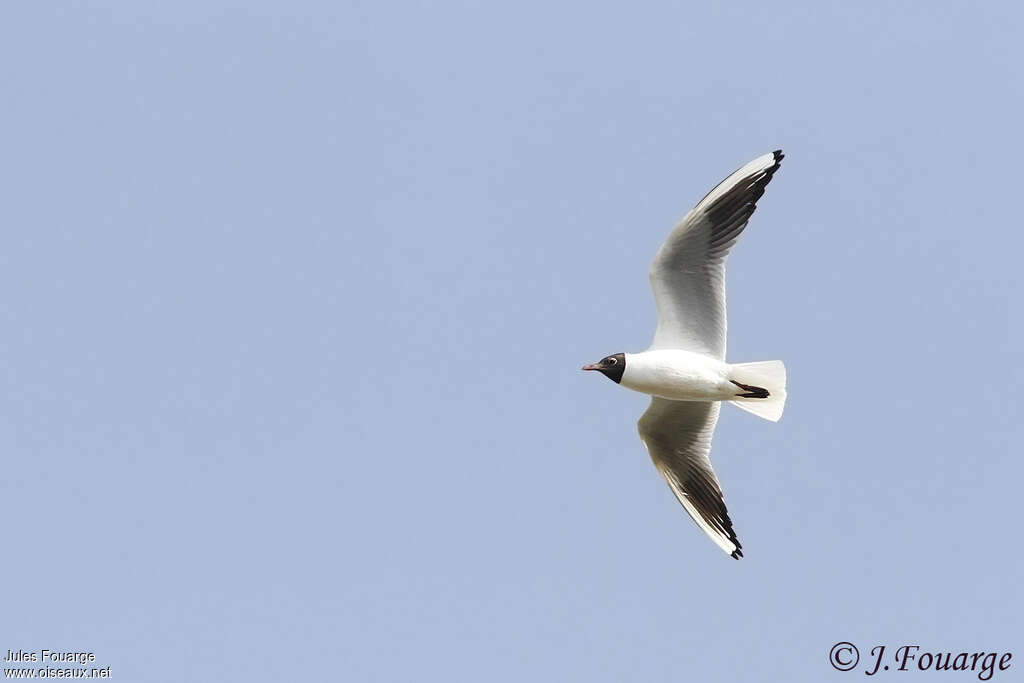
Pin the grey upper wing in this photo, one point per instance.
(688, 272)
(678, 437)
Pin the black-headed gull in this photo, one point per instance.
(684, 370)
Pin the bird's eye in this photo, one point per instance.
(612, 360)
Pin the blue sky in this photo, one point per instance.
(297, 297)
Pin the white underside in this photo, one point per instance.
(680, 375)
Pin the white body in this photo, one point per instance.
(679, 375)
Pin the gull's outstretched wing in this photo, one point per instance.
(688, 273)
(678, 437)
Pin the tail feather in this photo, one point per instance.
(753, 381)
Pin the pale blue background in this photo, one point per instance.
(295, 297)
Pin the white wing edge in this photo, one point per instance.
(761, 163)
(720, 540)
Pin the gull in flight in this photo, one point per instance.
(684, 370)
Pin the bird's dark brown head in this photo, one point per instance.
(612, 367)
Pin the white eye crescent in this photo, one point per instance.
(613, 361)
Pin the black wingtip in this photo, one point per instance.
(736, 554)
(777, 157)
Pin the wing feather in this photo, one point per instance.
(688, 272)
(678, 437)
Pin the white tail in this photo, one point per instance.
(769, 375)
